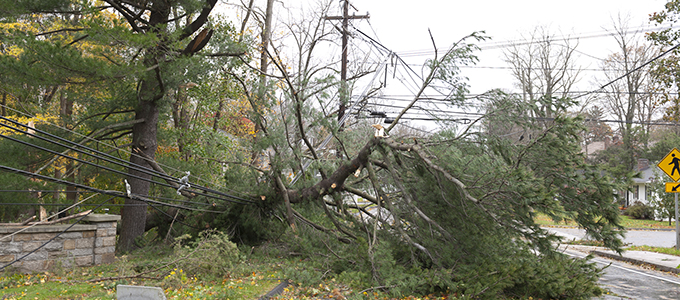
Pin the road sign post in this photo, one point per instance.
(670, 165)
(677, 225)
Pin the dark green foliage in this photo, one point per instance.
(640, 211)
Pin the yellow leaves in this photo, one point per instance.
(31, 122)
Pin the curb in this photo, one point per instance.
(635, 261)
(276, 290)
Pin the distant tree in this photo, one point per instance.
(664, 68)
(545, 69)
(630, 98)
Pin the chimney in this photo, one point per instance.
(643, 163)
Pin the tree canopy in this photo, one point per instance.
(168, 98)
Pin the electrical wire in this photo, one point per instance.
(97, 141)
(108, 158)
(101, 191)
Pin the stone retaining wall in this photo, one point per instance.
(90, 243)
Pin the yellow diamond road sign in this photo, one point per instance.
(671, 164)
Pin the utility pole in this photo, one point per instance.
(344, 93)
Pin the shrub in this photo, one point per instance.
(639, 211)
(212, 255)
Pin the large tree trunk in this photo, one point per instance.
(133, 214)
(151, 90)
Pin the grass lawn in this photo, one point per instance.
(251, 279)
(628, 223)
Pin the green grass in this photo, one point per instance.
(626, 221)
(249, 281)
(671, 251)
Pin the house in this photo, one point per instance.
(641, 188)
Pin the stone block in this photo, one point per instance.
(7, 258)
(106, 241)
(102, 250)
(49, 264)
(32, 266)
(105, 225)
(54, 246)
(108, 258)
(71, 235)
(101, 218)
(43, 236)
(130, 292)
(56, 254)
(39, 255)
(70, 244)
(84, 260)
(30, 246)
(80, 252)
(66, 262)
(22, 237)
(11, 247)
(88, 234)
(111, 232)
(102, 232)
(84, 243)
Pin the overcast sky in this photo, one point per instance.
(403, 27)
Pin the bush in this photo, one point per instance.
(639, 211)
(212, 255)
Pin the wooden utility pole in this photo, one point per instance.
(344, 93)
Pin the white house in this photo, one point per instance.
(640, 191)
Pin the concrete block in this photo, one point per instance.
(131, 292)
(84, 243)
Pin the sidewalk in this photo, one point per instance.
(659, 261)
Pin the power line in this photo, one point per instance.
(101, 191)
(95, 140)
(108, 158)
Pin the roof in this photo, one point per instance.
(646, 175)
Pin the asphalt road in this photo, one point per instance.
(625, 281)
(655, 238)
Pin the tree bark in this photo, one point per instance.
(336, 180)
(151, 90)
